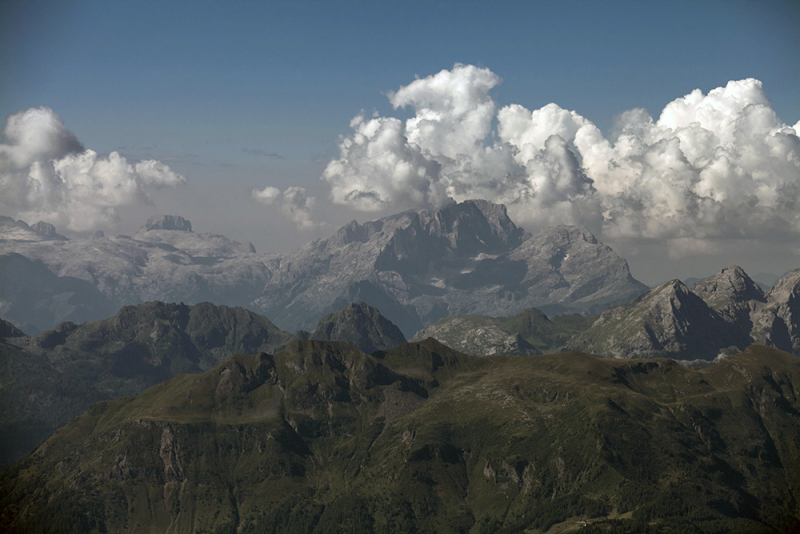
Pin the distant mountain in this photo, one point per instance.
(416, 267)
(527, 333)
(777, 322)
(719, 315)
(33, 298)
(467, 258)
(171, 265)
(48, 379)
(362, 326)
(323, 438)
(669, 321)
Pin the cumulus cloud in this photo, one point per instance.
(266, 196)
(294, 203)
(712, 166)
(47, 174)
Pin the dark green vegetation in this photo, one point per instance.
(48, 379)
(323, 438)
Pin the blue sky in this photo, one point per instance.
(206, 86)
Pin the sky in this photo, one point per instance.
(669, 129)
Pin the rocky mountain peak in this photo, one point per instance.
(353, 232)
(8, 330)
(168, 222)
(786, 289)
(730, 285)
(670, 320)
(362, 326)
(47, 230)
(473, 226)
(563, 235)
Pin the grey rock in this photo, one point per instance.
(163, 265)
(8, 330)
(47, 230)
(777, 322)
(416, 267)
(476, 335)
(729, 287)
(720, 316)
(527, 333)
(668, 321)
(168, 222)
(362, 326)
(465, 258)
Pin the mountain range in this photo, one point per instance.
(320, 437)
(720, 315)
(48, 379)
(717, 316)
(52, 377)
(416, 267)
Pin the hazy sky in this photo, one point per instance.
(240, 117)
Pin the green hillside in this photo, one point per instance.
(322, 438)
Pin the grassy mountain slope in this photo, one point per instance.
(323, 438)
(48, 379)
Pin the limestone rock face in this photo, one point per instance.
(477, 336)
(730, 286)
(467, 258)
(416, 267)
(670, 320)
(720, 315)
(47, 230)
(168, 222)
(777, 322)
(362, 326)
(166, 265)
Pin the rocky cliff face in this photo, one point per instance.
(416, 267)
(670, 320)
(527, 333)
(719, 315)
(50, 378)
(168, 222)
(476, 335)
(777, 322)
(360, 325)
(466, 258)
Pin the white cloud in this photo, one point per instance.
(46, 174)
(295, 204)
(298, 207)
(453, 109)
(266, 196)
(713, 166)
(379, 168)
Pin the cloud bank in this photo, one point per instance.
(294, 203)
(47, 174)
(713, 166)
